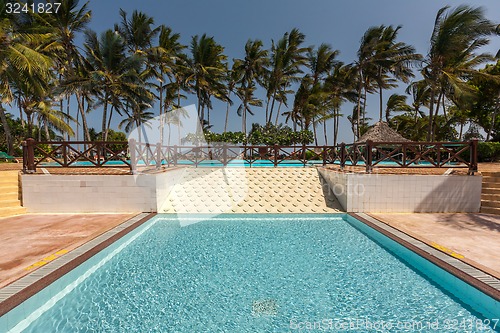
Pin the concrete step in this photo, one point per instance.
(11, 211)
(11, 195)
(491, 180)
(491, 186)
(489, 210)
(9, 181)
(10, 203)
(490, 174)
(9, 188)
(490, 190)
(490, 197)
(491, 204)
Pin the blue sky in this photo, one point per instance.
(339, 23)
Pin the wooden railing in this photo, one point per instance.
(81, 154)
(411, 154)
(133, 154)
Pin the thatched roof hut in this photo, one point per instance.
(381, 132)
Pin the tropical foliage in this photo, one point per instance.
(136, 67)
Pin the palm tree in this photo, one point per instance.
(452, 58)
(246, 95)
(136, 118)
(320, 62)
(207, 72)
(248, 72)
(64, 24)
(340, 86)
(25, 66)
(232, 80)
(396, 103)
(419, 91)
(113, 72)
(392, 61)
(365, 71)
(287, 58)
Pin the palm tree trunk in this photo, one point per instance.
(278, 113)
(109, 122)
(68, 112)
(267, 108)
(23, 123)
(244, 120)
(271, 110)
(380, 95)
(380, 104)
(444, 110)
(77, 126)
(314, 131)
(104, 117)
(430, 128)
(61, 107)
(364, 106)
(434, 125)
(227, 113)
(46, 128)
(6, 129)
(493, 120)
(324, 132)
(160, 97)
(336, 128)
(81, 108)
(29, 120)
(360, 88)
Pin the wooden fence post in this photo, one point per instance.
(29, 156)
(276, 151)
(342, 156)
(473, 156)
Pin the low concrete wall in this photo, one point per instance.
(405, 193)
(96, 193)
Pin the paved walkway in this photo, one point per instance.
(29, 241)
(473, 238)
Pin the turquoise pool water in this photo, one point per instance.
(206, 163)
(261, 273)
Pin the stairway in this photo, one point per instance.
(250, 190)
(10, 194)
(490, 195)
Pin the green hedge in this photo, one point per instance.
(488, 151)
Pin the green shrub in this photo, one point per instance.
(488, 151)
(311, 156)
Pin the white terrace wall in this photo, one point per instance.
(405, 193)
(96, 193)
(355, 192)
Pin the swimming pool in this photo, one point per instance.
(259, 273)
